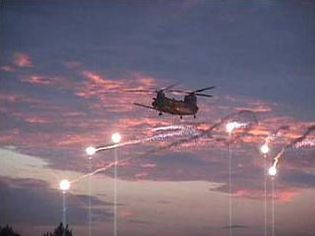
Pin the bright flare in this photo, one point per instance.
(231, 126)
(272, 171)
(90, 151)
(64, 185)
(116, 137)
(264, 149)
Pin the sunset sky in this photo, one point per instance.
(65, 67)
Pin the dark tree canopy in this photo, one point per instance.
(59, 231)
(7, 231)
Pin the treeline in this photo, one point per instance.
(60, 230)
(7, 231)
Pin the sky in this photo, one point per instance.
(65, 68)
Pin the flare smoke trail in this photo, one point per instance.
(272, 136)
(94, 172)
(276, 133)
(178, 131)
(302, 137)
(293, 143)
(246, 120)
(168, 128)
(306, 143)
(207, 132)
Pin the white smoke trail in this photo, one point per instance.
(171, 132)
(94, 172)
(168, 128)
(177, 131)
(188, 132)
(305, 143)
(295, 142)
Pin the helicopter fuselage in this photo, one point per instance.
(187, 106)
(175, 107)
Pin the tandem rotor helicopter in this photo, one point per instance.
(164, 104)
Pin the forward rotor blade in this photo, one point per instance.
(145, 106)
(169, 87)
(204, 89)
(139, 90)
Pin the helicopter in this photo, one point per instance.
(187, 106)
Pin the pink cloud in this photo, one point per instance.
(287, 196)
(22, 60)
(74, 129)
(37, 80)
(36, 120)
(97, 79)
(18, 99)
(126, 214)
(284, 194)
(141, 175)
(105, 91)
(7, 69)
(148, 165)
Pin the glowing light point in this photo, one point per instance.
(264, 149)
(272, 171)
(229, 127)
(116, 137)
(64, 185)
(90, 151)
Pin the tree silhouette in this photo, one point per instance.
(59, 231)
(7, 231)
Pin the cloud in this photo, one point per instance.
(93, 104)
(101, 82)
(22, 60)
(22, 198)
(148, 165)
(103, 91)
(126, 214)
(284, 195)
(37, 80)
(7, 69)
(71, 130)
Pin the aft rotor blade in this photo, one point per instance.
(204, 95)
(179, 91)
(190, 92)
(204, 89)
